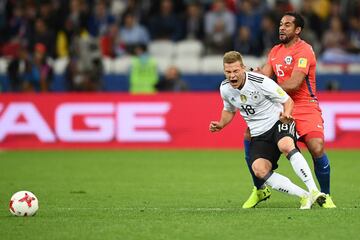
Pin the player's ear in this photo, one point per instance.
(298, 30)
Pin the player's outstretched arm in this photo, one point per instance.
(225, 119)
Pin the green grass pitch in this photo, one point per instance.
(166, 195)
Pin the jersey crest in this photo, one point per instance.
(288, 60)
(255, 96)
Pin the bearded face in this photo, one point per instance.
(287, 29)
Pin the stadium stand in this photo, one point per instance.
(162, 48)
(76, 31)
(329, 68)
(121, 65)
(163, 63)
(212, 64)
(189, 48)
(354, 68)
(59, 65)
(188, 64)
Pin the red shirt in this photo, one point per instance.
(298, 57)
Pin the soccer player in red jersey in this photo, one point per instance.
(293, 62)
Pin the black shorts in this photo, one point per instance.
(265, 145)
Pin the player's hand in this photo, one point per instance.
(286, 118)
(215, 126)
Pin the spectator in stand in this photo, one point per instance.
(309, 36)
(194, 22)
(64, 39)
(14, 33)
(132, 33)
(336, 44)
(314, 21)
(140, 9)
(47, 12)
(143, 72)
(206, 4)
(260, 6)
(178, 7)
(75, 26)
(268, 34)
(42, 34)
(31, 75)
(219, 40)
(18, 24)
(248, 17)
(30, 14)
(17, 69)
(3, 17)
(281, 7)
(166, 24)
(219, 29)
(244, 44)
(354, 34)
(321, 8)
(219, 17)
(111, 44)
(41, 74)
(334, 38)
(85, 70)
(100, 20)
(171, 81)
(78, 14)
(80, 79)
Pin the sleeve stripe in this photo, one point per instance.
(309, 87)
(251, 78)
(224, 82)
(254, 78)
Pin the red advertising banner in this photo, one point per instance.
(123, 121)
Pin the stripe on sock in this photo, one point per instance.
(267, 176)
(292, 152)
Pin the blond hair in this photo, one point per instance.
(233, 56)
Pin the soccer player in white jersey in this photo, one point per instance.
(267, 109)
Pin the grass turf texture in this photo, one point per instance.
(166, 195)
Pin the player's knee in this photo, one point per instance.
(261, 169)
(317, 151)
(316, 148)
(260, 172)
(286, 145)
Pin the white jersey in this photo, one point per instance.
(259, 101)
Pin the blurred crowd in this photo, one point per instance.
(35, 31)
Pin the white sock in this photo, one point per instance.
(302, 169)
(283, 184)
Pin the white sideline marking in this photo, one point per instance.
(153, 208)
(183, 209)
